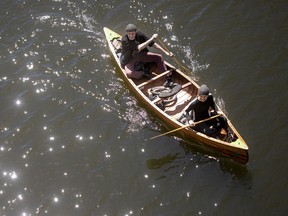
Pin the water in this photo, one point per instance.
(73, 136)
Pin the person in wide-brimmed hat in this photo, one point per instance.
(135, 50)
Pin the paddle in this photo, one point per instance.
(174, 58)
(185, 126)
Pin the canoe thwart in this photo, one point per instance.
(154, 78)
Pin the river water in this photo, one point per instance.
(72, 136)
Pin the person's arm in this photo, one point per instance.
(188, 109)
(214, 107)
(146, 43)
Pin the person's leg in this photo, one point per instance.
(131, 73)
(205, 129)
(223, 122)
(153, 57)
(218, 123)
(144, 57)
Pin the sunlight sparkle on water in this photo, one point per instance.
(24, 79)
(30, 66)
(3, 78)
(13, 175)
(79, 137)
(39, 90)
(130, 213)
(107, 155)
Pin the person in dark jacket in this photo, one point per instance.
(203, 107)
(134, 50)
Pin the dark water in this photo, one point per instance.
(73, 136)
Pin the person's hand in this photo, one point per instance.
(191, 123)
(154, 36)
(220, 113)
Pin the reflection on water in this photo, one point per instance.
(158, 163)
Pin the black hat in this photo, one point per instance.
(203, 90)
(130, 28)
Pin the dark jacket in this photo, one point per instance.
(130, 47)
(201, 109)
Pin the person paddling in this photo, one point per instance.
(135, 49)
(203, 107)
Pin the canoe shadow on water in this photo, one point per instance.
(199, 155)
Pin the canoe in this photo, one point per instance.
(168, 103)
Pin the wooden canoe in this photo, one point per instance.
(170, 111)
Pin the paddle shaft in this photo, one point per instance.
(174, 58)
(185, 126)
